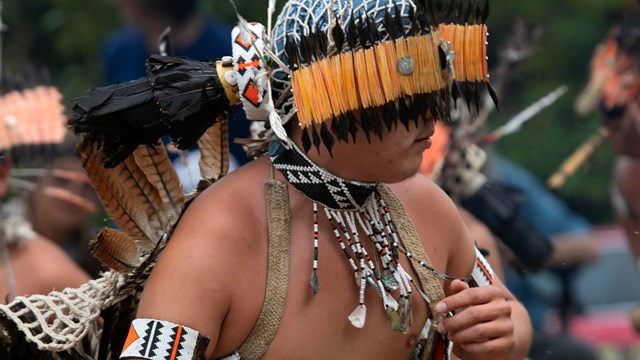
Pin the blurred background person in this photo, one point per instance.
(614, 90)
(32, 261)
(66, 217)
(192, 36)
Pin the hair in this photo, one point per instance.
(177, 12)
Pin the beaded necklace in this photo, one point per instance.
(351, 207)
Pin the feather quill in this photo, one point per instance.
(214, 152)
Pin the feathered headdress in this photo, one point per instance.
(346, 66)
(615, 68)
(32, 121)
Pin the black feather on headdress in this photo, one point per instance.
(179, 97)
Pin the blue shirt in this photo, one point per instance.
(125, 54)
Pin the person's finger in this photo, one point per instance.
(491, 348)
(475, 315)
(481, 332)
(458, 286)
(469, 297)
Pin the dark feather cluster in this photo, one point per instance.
(179, 97)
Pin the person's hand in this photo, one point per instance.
(481, 325)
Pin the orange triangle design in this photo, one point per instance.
(131, 337)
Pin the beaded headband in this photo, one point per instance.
(32, 123)
(356, 65)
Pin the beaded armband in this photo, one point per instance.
(163, 340)
(482, 273)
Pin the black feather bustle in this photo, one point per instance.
(340, 127)
(432, 104)
(389, 25)
(293, 53)
(327, 138)
(315, 138)
(318, 44)
(476, 98)
(306, 141)
(485, 12)
(442, 56)
(415, 26)
(457, 15)
(494, 96)
(323, 43)
(352, 33)
(306, 50)
(375, 36)
(390, 115)
(403, 113)
(423, 20)
(433, 9)
(365, 123)
(452, 9)
(180, 97)
(477, 14)
(375, 115)
(414, 114)
(455, 93)
(468, 10)
(420, 102)
(443, 102)
(397, 16)
(364, 33)
(335, 127)
(468, 95)
(353, 125)
(337, 33)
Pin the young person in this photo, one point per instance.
(271, 252)
(237, 269)
(614, 89)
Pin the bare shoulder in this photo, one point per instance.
(438, 223)
(48, 267)
(197, 277)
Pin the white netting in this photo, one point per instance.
(58, 321)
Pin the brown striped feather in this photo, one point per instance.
(214, 151)
(116, 199)
(156, 165)
(116, 250)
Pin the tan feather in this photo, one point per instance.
(156, 165)
(214, 151)
(116, 250)
(126, 195)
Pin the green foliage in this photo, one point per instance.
(572, 28)
(63, 35)
(66, 36)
